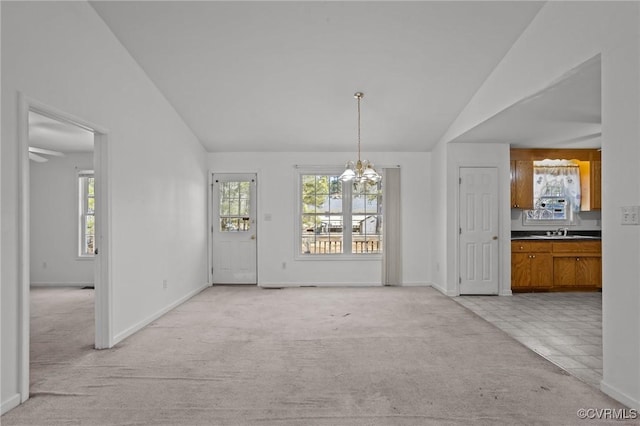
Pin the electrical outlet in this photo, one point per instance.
(284, 265)
(630, 215)
(165, 284)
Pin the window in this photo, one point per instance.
(234, 206)
(556, 191)
(337, 218)
(87, 235)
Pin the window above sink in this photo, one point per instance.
(556, 191)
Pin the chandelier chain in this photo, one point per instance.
(359, 97)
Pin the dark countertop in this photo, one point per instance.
(574, 235)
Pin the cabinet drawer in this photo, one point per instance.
(540, 247)
(519, 246)
(530, 246)
(578, 247)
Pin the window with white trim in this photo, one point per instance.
(86, 219)
(338, 218)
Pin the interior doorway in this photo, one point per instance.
(63, 221)
(62, 243)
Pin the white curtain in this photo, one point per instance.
(392, 228)
(557, 180)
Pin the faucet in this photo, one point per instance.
(563, 231)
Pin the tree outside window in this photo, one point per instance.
(87, 220)
(339, 218)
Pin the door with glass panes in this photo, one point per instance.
(234, 232)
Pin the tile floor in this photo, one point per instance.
(565, 328)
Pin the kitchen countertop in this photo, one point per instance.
(556, 238)
(574, 235)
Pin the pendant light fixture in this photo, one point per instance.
(361, 171)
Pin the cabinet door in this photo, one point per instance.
(564, 271)
(512, 168)
(541, 270)
(520, 270)
(524, 184)
(596, 185)
(588, 271)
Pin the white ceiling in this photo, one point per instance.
(47, 133)
(280, 76)
(567, 114)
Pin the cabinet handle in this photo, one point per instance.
(578, 259)
(534, 256)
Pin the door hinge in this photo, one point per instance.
(460, 181)
(459, 280)
(460, 231)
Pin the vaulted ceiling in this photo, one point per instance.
(280, 76)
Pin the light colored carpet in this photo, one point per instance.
(305, 356)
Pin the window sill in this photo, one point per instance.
(339, 257)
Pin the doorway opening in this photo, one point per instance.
(64, 246)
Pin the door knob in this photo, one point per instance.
(495, 237)
(253, 237)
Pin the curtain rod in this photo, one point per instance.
(555, 167)
(382, 166)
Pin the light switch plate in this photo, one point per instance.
(630, 215)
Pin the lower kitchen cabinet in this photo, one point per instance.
(531, 266)
(555, 266)
(578, 271)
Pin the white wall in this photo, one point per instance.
(562, 36)
(441, 220)
(446, 193)
(63, 55)
(54, 222)
(277, 197)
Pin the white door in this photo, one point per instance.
(478, 230)
(234, 233)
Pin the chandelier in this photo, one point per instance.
(361, 171)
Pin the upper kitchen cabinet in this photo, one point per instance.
(522, 184)
(522, 175)
(596, 184)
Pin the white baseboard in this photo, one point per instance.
(62, 284)
(10, 403)
(506, 293)
(139, 326)
(347, 284)
(619, 396)
(298, 284)
(443, 290)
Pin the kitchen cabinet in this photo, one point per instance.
(577, 264)
(522, 184)
(596, 184)
(521, 167)
(555, 266)
(531, 265)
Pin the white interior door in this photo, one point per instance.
(234, 232)
(478, 230)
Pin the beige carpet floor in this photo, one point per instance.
(302, 356)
